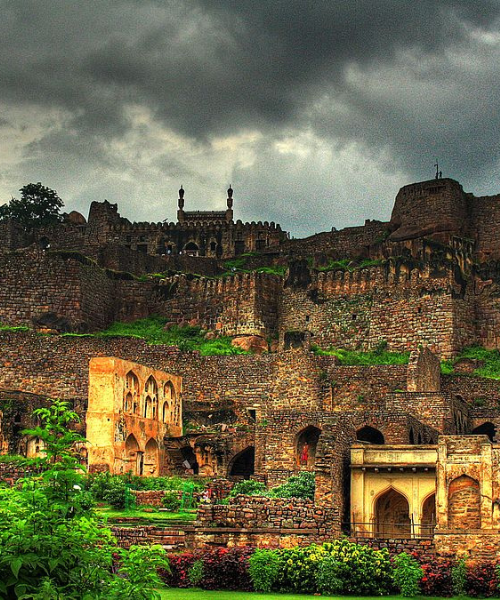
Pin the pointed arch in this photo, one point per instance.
(428, 515)
(243, 463)
(306, 444)
(169, 398)
(133, 456)
(392, 515)
(370, 434)
(151, 454)
(131, 393)
(487, 428)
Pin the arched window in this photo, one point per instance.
(169, 401)
(485, 429)
(370, 434)
(243, 464)
(131, 394)
(392, 515)
(306, 445)
(151, 399)
(134, 457)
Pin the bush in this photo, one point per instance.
(195, 573)
(459, 577)
(437, 580)
(178, 575)
(482, 580)
(302, 485)
(263, 567)
(250, 487)
(361, 569)
(226, 569)
(407, 574)
(328, 576)
(297, 569)
(171, 501)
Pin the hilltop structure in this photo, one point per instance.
(400, 440)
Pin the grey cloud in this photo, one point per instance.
(382, 74)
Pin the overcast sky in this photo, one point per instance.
(316, 111)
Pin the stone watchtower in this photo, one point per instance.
(436, 208)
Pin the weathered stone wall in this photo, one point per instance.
(234, 305)
(35, 282)
(399, 303)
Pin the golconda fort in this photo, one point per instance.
(406, 451)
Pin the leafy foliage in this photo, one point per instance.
(51, 544)
(407, 575)
(153, 331)
(171, 501)
(264, 568)
(436, 580)
(490, 368)
(38, 205)
(250, 487)
(302, 485)
(195, 573)
(459, 577)
(379, 356)
(354, 569)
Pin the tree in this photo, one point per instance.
(38, 205)
(52, 546)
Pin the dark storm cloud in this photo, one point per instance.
(403, 79)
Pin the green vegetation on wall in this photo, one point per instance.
(153, 331)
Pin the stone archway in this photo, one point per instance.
(392, 515)
(133, 457)
(306, 446)
(370, 434)
(243, 464)
(151, 452)
(428, 515)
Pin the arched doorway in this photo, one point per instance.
(189, 461)
(151, 458)
(370, 434)
(306, 446)
(429, 515)
(485, 429)
(243, 464)
(191, 249)
(134, 457)
(464, 503)
(392, 515)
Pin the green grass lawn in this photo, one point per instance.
(137, 513)
(195, 594)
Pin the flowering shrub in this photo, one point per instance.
(297, 568)
(180, 565)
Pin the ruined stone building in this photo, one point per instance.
(395, 448)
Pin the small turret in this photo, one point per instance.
(229, 211)
(180, 204)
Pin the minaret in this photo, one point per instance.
(180, 211)
(229, 211)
